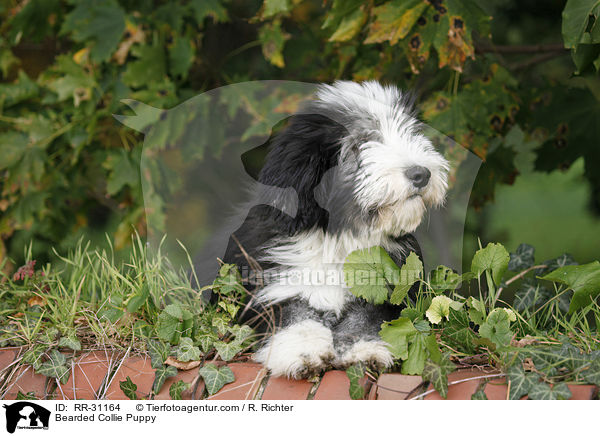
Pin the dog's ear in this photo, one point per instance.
(298, 158)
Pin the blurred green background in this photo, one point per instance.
(514, 81)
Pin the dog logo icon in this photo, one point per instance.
(26, 415)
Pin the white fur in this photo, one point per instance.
(311, 267)
(304, 346)
(374, 352)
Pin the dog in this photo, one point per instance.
(364, 175)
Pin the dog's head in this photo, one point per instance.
(357, 152)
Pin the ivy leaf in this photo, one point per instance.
(458, 330)
(494, 258)
(560, 261)
(158, 351)
(543, 391)
(186, 350)
(480, 392)
(368, 273)
(227, 350)
(496, 328)
(206, 340)
(102, 22)
(241, 333)
(592, 374)
(529, 295)
(215, 378)
(584, 280)
(161, 374)
(70, 342)
(33, 356)
(355, 373)
(410, 273)
(129, 388)
(520, 381)
(396, 334)
(55, 367)
(522, 259)
(437, 374)
(177, 389)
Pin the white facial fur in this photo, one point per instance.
(395, 145)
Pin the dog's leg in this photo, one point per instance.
(356, 336)
(303, 347)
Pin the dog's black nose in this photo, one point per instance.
(419, 176)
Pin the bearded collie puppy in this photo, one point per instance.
(364, 176)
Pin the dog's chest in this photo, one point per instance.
(310, 266)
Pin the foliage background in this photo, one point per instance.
(515, 81)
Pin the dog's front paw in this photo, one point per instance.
(374, 354)
(301, 350)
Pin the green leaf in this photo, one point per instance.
(55, 367)
(575, 17)
(369, 273)
(477, 310)
(496, 328)
(161, 374)
(273, 38)
(26, 396)
(458, 330)
(443, 279)
(520, 381)
(181, 56)
(396, 334)
(350, 25)
(158, 351)
(394, 20)
(417, 355)
(584, 280)
(215, 378)
(186, 351)
(227, 350)
(437, 375)
(355, 374)
(176, 390)
(438, 309)
(274, 7)
(34, 355)
(209, 8)
(122, 173)
(206, 340)
(522, 259)
(100, 21)
(530, 294)
(70, 342)
(480, 392)
(129, 388)
(345, 19)
(493, 258)
(543, 391)
(150, 66)
(592, 374)
(410, 273)
(13, 145)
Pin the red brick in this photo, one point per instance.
(396, 386)
(583, 392)
(7, 356)
(26, 380)
(334, 385)
(461, 390)
(140, 372)
(281, 388)
(496, 389)
(248, 377)
(88, 373)
(190, 377)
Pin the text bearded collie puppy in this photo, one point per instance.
(364, 175)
